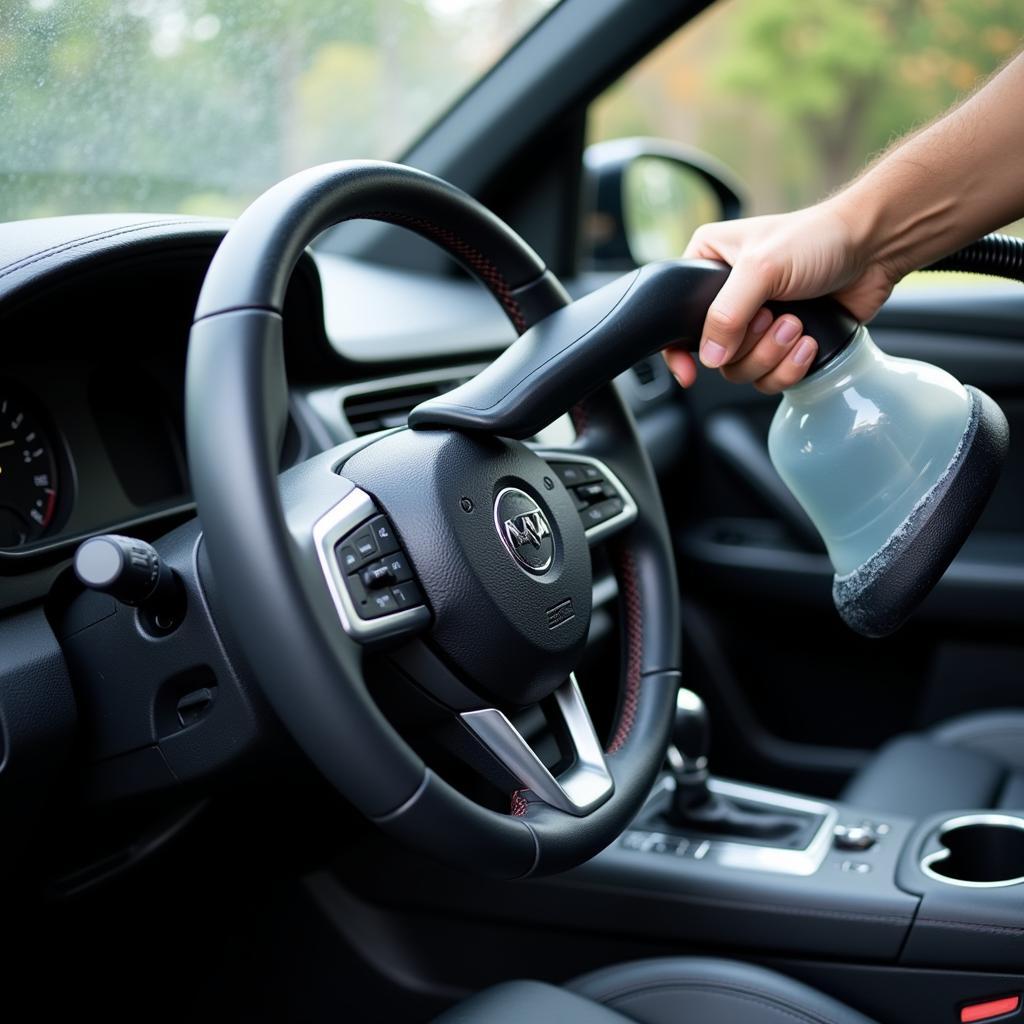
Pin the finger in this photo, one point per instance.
(699, 247)
(682, 365)
(729, 316)
(791, 369)
(714, 241)
(766, 354)
(755, 332)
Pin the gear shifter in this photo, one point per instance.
(688, 752)
(695, 807)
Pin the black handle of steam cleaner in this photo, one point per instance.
(580, 347)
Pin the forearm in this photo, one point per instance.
(945, 186)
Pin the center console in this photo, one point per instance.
(791, 874)
(908, 920)
(967, 869)
(691, 815)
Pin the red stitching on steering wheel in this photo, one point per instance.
(579, 416)
(484, 268)
(518, 803)
(634, 636)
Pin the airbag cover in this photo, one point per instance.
(511, 601)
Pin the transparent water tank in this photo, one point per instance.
(863, 440)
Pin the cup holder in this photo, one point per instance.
(978, 850)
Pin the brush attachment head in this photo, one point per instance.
(876, 598)
(893, 460)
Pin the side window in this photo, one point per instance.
(795, 96)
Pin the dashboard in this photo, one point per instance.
(92, 376)
(91, 411)
(86, 443)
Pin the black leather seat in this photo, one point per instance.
(974, 761)
(666, 991)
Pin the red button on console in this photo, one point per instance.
(989, 1009)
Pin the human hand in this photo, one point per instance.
(799, 255)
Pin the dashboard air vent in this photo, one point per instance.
(370, 411)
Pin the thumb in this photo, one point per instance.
(729, 316)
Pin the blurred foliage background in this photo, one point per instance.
(198, 105)
(797, 95)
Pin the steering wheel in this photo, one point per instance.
(464, 554)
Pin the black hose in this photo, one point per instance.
(995, 255)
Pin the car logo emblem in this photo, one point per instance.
(524, 530)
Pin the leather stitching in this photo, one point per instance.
(786, 908)
(634, 636)
(987, 929)
(769, 1000)
(579, 416)
(482, 266)
(56, 250)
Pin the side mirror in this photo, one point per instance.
(643, 199)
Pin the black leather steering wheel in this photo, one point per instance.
(495, 534)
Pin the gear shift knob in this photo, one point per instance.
(695, 807)
(691, 732)
(688, 752)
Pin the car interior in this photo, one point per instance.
(386, 636)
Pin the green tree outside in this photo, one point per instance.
(796, 95)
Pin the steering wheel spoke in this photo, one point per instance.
(368, 575)
(584, 786)
(358, 570)
(604, 505)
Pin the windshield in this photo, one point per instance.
(197, 106)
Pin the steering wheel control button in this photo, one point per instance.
(356, 590)
(595, 492)
(854, 837)
(600, 499)
(374, 602)
(524, 530)
(407, 595)
(378, 604)
(347, 557)
(376, 586)
(594, 515)
(378, 575)
(573, 473)
(399, 566)
(383, 535)
(365, 546)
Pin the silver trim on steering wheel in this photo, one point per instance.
(585, 785)
(355, 508)
(600, 532)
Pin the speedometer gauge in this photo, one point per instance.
(28, 472)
